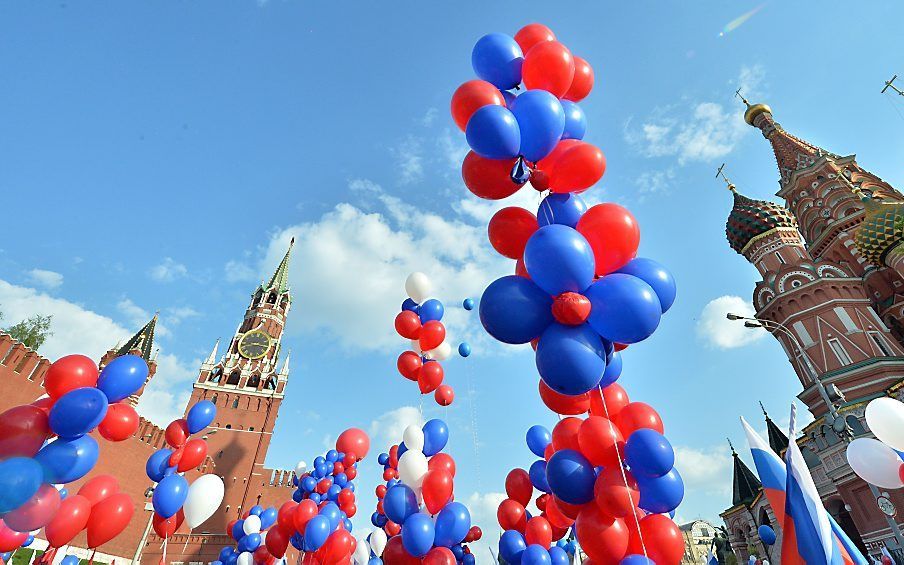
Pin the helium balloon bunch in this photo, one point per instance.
(317, 521)
(79, 400)
(536, 135)
(250, 534)
(880, 461)
(421, 322)
(417, 518)
(174, 500)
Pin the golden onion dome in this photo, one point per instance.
(755, 110)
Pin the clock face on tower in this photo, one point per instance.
(254, 344)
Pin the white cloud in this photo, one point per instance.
(387, 429)
(483, 508)
(166, 396)
(176, 315)
(409, 159)
(45, 278)
(237, 271)
(722, 333)
(650, 183)
(429, 117)
(706, 471)
(168, 271)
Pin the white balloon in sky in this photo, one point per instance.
(204, 498)
(252, 524)
(875, 462)
(413, 436)
(362, 552)
(885, 418)
(412, 468)
(442, 352)
(245, 558)
(418, 287)
(378, 541)
(300, 468)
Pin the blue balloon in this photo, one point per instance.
(268, 517)
(468, 559)
(537, 475)
(492, 132)
(512, 546)
(571, 476)
(64, 493)
(200, 416)
(410, 304)
(399, 503)
(559, 259)
(316, 532)
(452, 524)
(497, 59)
(431, 309)
(122, 377)
(78, 412)
(402, 449)
(613, 369)
(541, 121)
(333, 492)
(558, 556)
(535, 555)
(624, 308)
(514, 310)
(332, 513)
(298, 495)
(256, 510)
(225, 553)
(20, 479)
(28, 541)
(170, 495)
(383, 459)
(309, 483)
(468, 304)
(636, 559)
(67, 460)
(571, 359)
(418, 533)
(564, 209)
(464, 349)
(341, 480)
(381, 520)
(767, 534)
(538, 438)
(374, 561)
(315, 497)
(297, 541)
(238, 531)
(68, 560)
(458, 551)
(249, 543)
(660, 495)
(575, 120)
(392, 482)
(436, 436)
(332, 455)
(656, 276)
(649, 454)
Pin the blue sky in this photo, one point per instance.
(160, 156)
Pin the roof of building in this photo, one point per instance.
(745, 484)
(881, 228)
(280, 279)
(778, 441)
(750, 218)
(142, 341)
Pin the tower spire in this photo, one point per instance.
(778, 441)
(142, 341)
(284, 372)
(212, 358)
(280, 279)
(721, 173)
(745, 485)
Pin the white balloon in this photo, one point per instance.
(442, 352)
(300, 468)
(252, 524)
(263, 537)
(875, 462)
(378, 541)
(885, 417)
(362, 552)
(413, 436)
(204, 498)
(412, 468)
(245, 558)
(418, 287)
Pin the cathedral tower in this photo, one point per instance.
(142, 345)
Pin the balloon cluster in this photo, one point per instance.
(317, 521)
(535, 135)
(78, 401)
(174, 500)
(417, 519)
(12, 541)
(881, 461)
(421, 321)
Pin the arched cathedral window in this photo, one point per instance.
(253, 381)
(216, 376)
(233, 378)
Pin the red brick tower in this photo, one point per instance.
(141, 344)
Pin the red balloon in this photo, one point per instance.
(45, 404)
(177, 433)
(389, 473)
(613, 233)
(338, 467)
(409, 364)
(548, 451)
(193, 454)
(109, 518)
(380, 491)
(600, 441)
(392, 528)
(511, 515)
(548, 66)
(350, 509)
(99, 488)
(570, 510)
(539, 180)
(324, 485)
(430, 377)
(10, 540)
(582, 83)
(120, 423)
(563, 403)
(538, 531)
(488, 178)
(395, 554)
(284, 516)
(577, 169)
(571, 308)
(470, 97)
(521, 271)
(547, 163)
(408, 324)
(444, 395)
(175, 457)
(278, 540)
(394, 456)
(439, 556)
(602, 537)
(616, 399)
(437, 489)
(509, 230)
(338, 547)
(305, 510)
(541, 501)
(532, 34)
(432, 335)
(351, 473)
(346, 496)
(638, 415)
(37, 512)
(555, 516)
(565, 434)
(70, 519)
(69, 373)
(23, 430)
(166, 527)
(475, 533)
(518, 486)
(662, 538)
(355, 442)
(442, 462)
(261, 554)
(616, 495)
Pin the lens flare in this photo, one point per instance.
(740, 20)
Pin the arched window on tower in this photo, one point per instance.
(270, 383)
(216, 375)
(233, 378)
(272, 298)
(253, 381)
(214, 399)
(856, 426)
(235, 403)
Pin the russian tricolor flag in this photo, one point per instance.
(809, 534)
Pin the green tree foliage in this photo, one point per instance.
(32, 332)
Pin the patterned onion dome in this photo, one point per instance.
(750, 218)
(882, 227)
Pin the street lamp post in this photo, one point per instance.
(838, 424)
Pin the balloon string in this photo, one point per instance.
(184, 547)
(164, 549)
(621, 467)
(472, 406)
